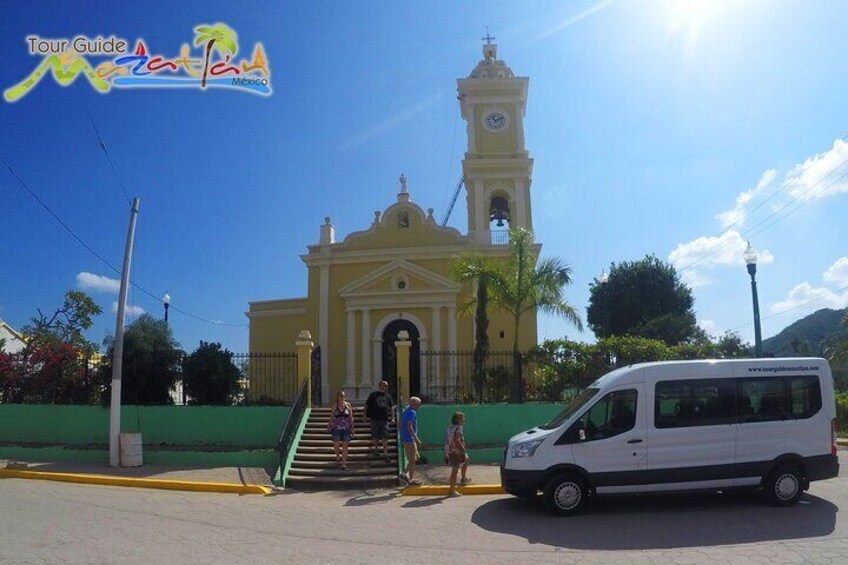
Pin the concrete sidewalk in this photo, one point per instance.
(241, 480)
(485, 478)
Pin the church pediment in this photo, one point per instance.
(403, 224)
(398, 278)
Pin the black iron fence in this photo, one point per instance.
(252, 379)
(267, 378)
(497, 376)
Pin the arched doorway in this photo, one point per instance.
(390, 336)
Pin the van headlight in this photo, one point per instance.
(525, 448)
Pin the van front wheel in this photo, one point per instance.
(566, 495)
(784, 485)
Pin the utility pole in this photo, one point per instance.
(118, 348)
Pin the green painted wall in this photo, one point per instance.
(267, 458)
(235, 426)
(485, 424)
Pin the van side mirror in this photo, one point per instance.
(581, 434)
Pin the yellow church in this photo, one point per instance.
(393, 275)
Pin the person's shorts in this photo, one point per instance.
(341, 435)
(456, 460)
(379, 429)
(411, 450)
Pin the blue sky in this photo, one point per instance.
(679, 128)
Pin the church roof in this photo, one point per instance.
(491, 67)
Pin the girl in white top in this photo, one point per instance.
(455, 454)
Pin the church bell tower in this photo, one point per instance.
(497, 167)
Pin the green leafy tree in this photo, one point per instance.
(644, 298)
(569, 366)
(65, 325)
(219, 37)
(210, 376)
(731, 346)
(151, 362)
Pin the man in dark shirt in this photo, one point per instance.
(378, 408)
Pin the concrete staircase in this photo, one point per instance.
(314, 466)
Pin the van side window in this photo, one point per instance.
(612, 415)
(694, 402)
(762, 400)
(804, 397)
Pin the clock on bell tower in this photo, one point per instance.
(497, 167)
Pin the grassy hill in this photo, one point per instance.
(810, 336)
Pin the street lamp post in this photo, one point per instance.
(166, 302)
(602, 279)
(751, 260)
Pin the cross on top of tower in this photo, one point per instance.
(488, 39)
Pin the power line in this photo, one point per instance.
(58, 219)
(102, 145)
(100, 257)
(750, 231)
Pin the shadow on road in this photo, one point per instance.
(660, 522)
(367, 498)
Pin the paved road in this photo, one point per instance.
(42, 522)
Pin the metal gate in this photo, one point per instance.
(315, 377)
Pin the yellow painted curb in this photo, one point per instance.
(164, 484)
(442, 490)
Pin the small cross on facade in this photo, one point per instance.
(402, 180)
(488, 39)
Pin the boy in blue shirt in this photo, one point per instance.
(409, 439)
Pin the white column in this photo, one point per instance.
(523, 220)
(481, 215)
(378, 363)
(437, 344)
(324, 330)
(452, 344)
(367, 378)
(350, 376)
(519, 128)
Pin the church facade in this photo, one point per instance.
(394, 275)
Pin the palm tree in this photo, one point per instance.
(476, 270)
(219, 37)
(524, 285)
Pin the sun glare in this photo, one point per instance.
(689, 17)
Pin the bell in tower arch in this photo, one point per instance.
(499, 210)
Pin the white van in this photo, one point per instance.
(683, 425)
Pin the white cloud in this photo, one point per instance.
(819, 176)
(130, 311)
(837, 273)
(97, 283)
(708, 326)
(705, 252)
(391, 122)
(694, 279)
(808, 299)
(736, 217)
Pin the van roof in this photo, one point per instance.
(617, 374)
(763, 361)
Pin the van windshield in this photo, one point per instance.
(579, 402)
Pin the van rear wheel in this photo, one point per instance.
(566, 495)
(784, 485)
